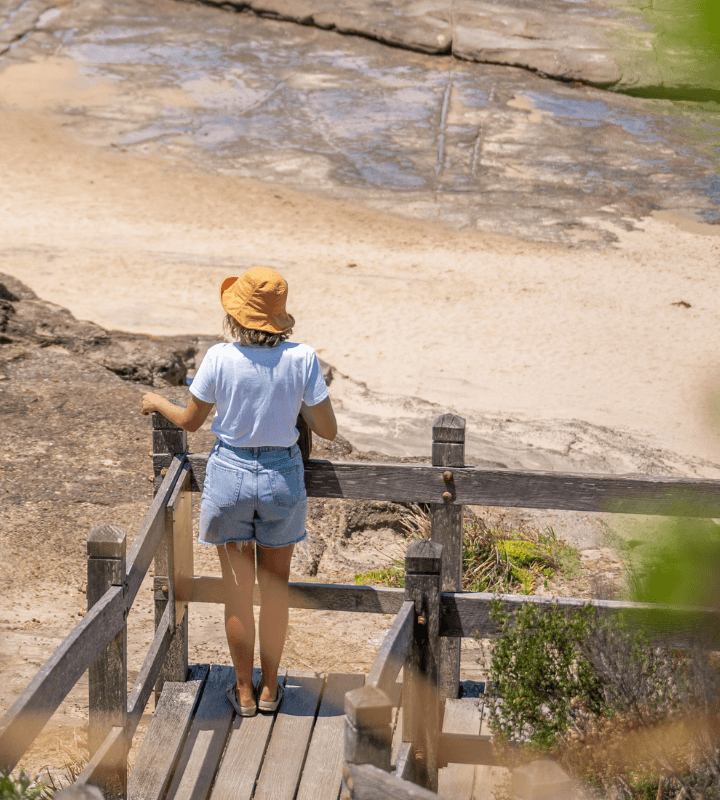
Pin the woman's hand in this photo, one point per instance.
(189, 418)
(149, 403)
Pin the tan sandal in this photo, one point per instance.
(241, 711)
(270, 706)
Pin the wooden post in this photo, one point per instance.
(421, 704)
(368, 733)
(174, 551)
(446, 528)
(167, 438)
(108, 675)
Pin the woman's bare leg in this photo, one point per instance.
(273, 573)
(238, 571)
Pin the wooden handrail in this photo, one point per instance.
(320, 596)
(419, 483)
(27, 716)
(86, 642)
(117, 743)
(468, 613)
(145, 681)
(148, 537)
(394, 649)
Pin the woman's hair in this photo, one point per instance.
(248, 336)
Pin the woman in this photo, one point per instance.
(254, 499)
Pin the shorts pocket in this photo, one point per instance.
(287, 486)
(222, 484)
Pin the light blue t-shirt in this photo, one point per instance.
(258, 391)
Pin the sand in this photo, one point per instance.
(475, 323)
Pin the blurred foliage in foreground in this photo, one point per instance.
(685, 49)
(676, 560)
(23, 787)
(634, 721)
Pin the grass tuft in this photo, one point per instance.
(498, 561)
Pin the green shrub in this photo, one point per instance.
(540, 673)
(633, 720)
(23, 787)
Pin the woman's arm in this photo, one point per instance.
(321, 419)
(189, 418)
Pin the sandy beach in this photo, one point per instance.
(620, 337)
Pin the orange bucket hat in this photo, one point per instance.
(257, 300)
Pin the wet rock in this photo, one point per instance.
(553, 38)
(425, 27)
(21, 17)
(479, 146)
(25, 319)
(597, 42)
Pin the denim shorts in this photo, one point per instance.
(253, 494)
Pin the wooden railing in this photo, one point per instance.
(99, 643)
(432, 613)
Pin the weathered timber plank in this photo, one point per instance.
(107, 541)
(394, 693)
(466, 613)
(421, 704)
(368, 727)
(165, 736)
(418, 483)
(108, 757)
(27, 716)
(107, 678)
(175, 665)
(167, 440)
(446, 528)
(243, 757)
(285, 755)
(151, 531)
(486, 779)
(396, 752)
(145, 681)
(394, 649)
(461, 716)
(372, 783)
(463, 748)
(322, 772)
(205, 743)
(403, 764)
(327, 596)
(161, 423)
(449, 428)
(179, 511)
